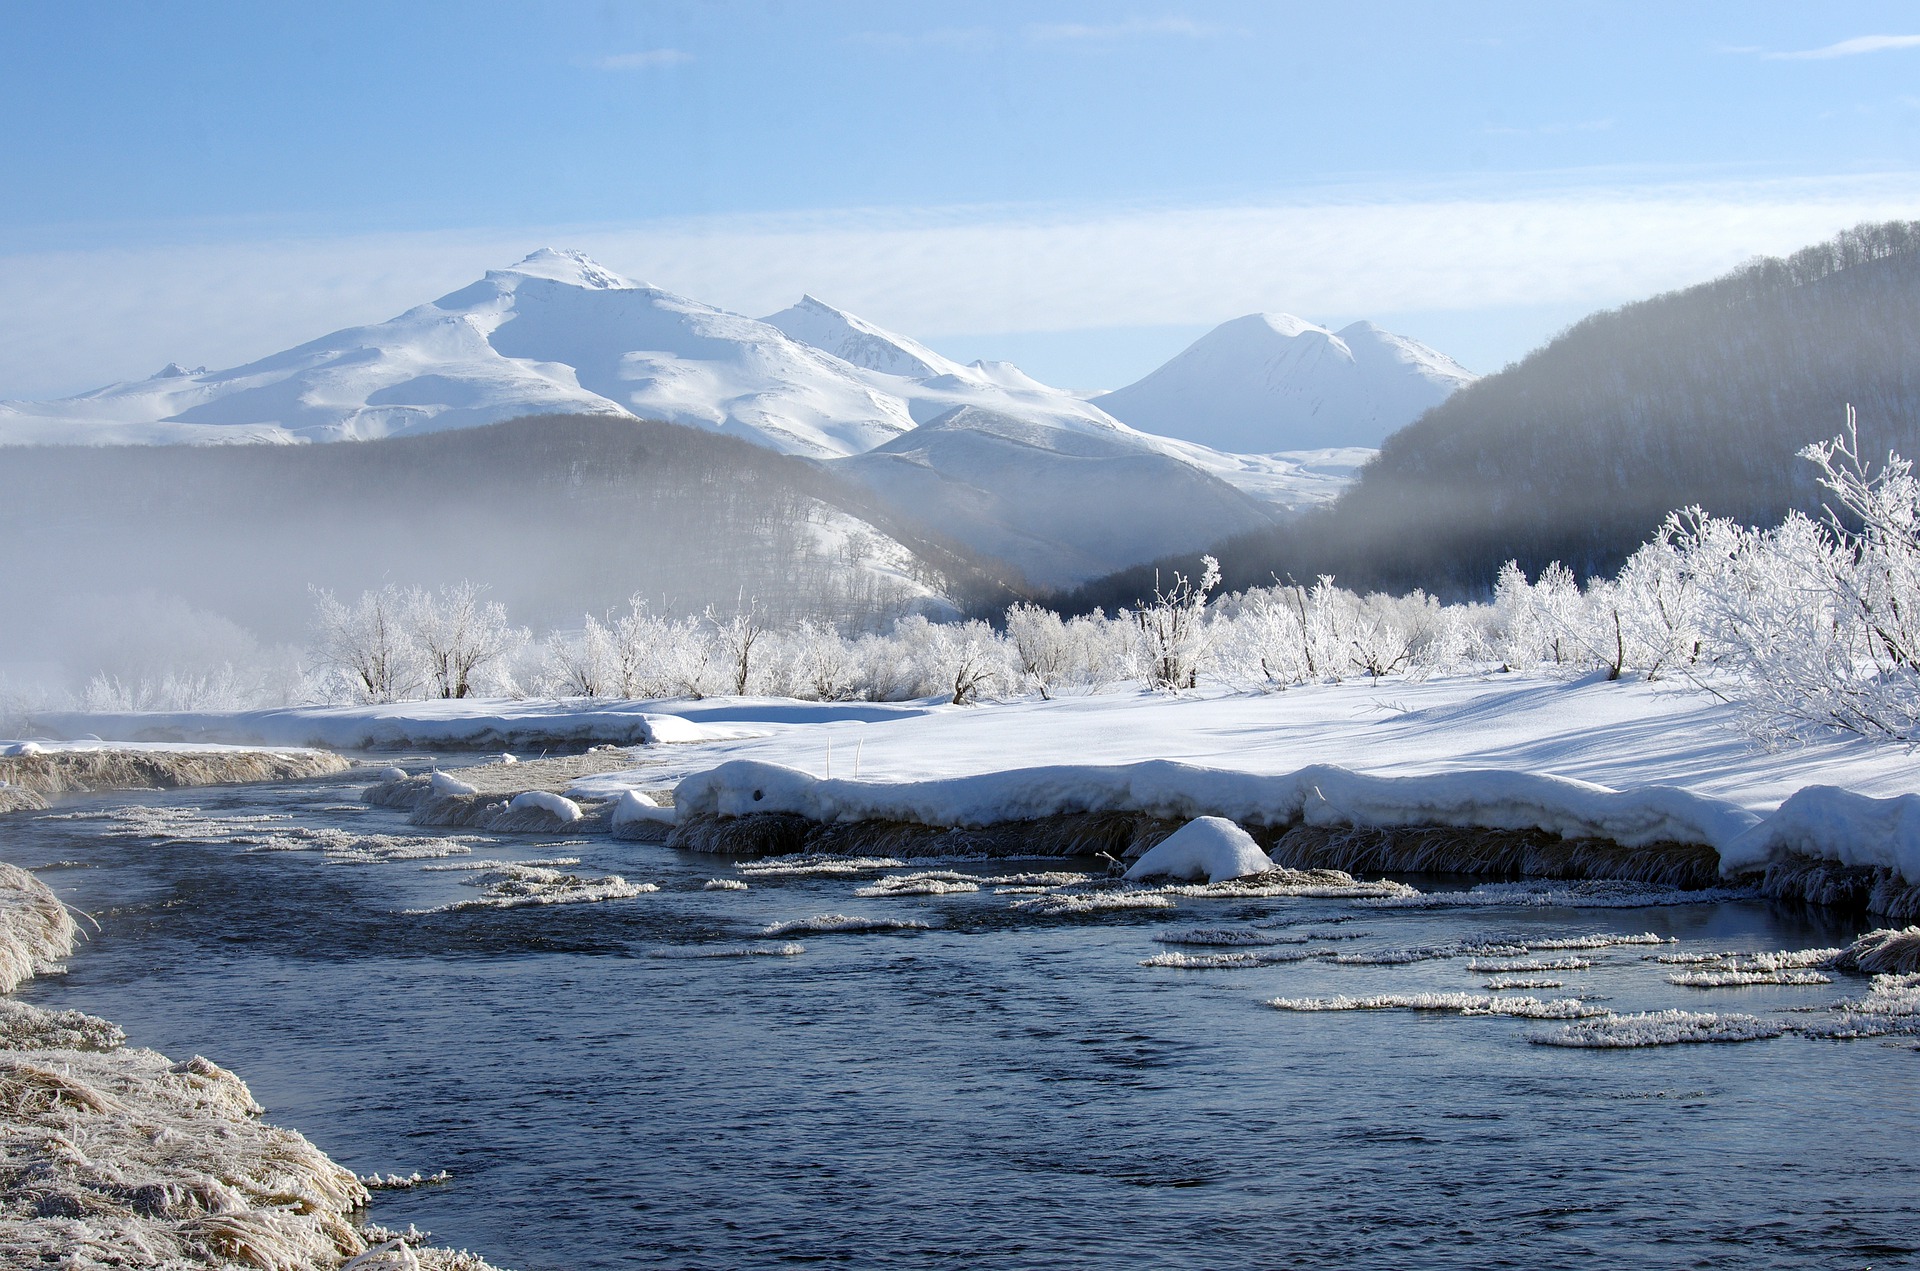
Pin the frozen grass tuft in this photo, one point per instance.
(1886, 950)
(510, 886)
(1227, 961)
(1077, 904)
(36, 931)
(817, 866)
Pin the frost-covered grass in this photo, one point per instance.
(1228, 961)
(515, 886)
(1739, 979)
(122, 1158)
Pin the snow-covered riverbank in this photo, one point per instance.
(120, 1157)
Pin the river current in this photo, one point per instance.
(997, 1088)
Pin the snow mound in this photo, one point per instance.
(443, 785)
(1209, 848)
(635, 808)
(1661, 1028)
(562, 809)
(1458, 1003)
(844, 924)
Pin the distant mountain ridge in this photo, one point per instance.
(559, 334)
(1578, 451)
(1271, 381)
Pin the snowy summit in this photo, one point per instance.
(1272, 382)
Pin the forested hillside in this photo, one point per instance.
(557, 516)
(1700, 396)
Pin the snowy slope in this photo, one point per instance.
(1271, 382)
(1059, 504)
(555, 333)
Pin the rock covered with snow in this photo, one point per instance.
(1207, 849)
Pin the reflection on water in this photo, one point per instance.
(995, 1088)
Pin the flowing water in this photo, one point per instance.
(994, 1089)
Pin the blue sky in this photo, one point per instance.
(1079, 187)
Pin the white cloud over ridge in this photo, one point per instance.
(72, 320)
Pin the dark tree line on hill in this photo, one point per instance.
(1577, 452)
(558, 516)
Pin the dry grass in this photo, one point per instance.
(63, 771)
(1857, 887)
(1509, 853)
(1882, 952)
(1115, 834)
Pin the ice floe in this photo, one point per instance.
(1511, 966)
(820, 865)
(1739, 979)
(1228, 961)
(1064, 904)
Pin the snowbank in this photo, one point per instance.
(1207, 849)
(121, 1157)
(466, 724)
(562, 809)
(638, 813)
(1317, 795)
(1828, 823)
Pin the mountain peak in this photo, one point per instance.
(853, 339)
(573, 268)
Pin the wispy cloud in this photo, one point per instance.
(72, 320)
(1131, 28)
(1846, 48)
(645, 60)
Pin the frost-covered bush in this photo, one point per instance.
(1173, 639)
(393, 645)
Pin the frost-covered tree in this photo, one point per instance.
(368, 647)
(1173, 638)
(462, 636)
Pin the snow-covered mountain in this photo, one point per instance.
(1272, 382)
(986, 453)
(1060, 505)
(556, 333)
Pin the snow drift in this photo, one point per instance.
(1206, 849)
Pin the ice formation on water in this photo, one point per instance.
(1206, 849)
(1313, 884)
(1460, 1003)
(402, 1182)
(1556, 894)
(1502, 983)
(1227, 936)
(926, 883)
(1061, 904)
(824, 924)
(1228, 961)
(1493, 946)
(723, 884)
(1660, 1028)
(788, 950)
(821, 865)
(1599, 940)
(1736, 979)
(515, 886)
(270, 832)
(1893, 1006)
(1509, 966)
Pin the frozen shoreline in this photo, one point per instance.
(30, 771)
(122, 1157)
